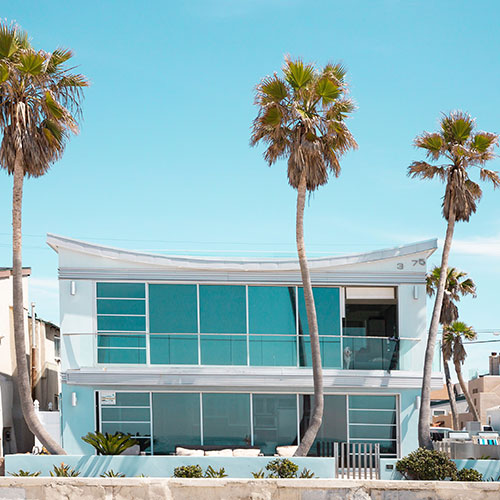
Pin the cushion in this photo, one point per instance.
(219, 453)
(184, 452)
(286, 451)
(249, 452)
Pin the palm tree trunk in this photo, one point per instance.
(465, 390)
(23, 380)
(451, 395)
(424, 433)
(317, 414)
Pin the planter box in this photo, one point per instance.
(158, 466)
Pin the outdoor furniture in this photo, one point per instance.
(217, 451)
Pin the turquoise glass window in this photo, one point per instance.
(176, 421)
(373, 402)
(113, 414)
(372, 432)
(226, 419)
(121, 323)
(372, 417)
(121, 341)
(121, 290)
(271, 310)
(329, 348)
(327, 302)
(132, 399)
(222, 309)
(272, 350)
(173, 309)
(334, 426)
(274, 421)
(223, 349)
(173, 349)
(123, 356)
(113, 306)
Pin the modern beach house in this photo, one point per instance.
(189, 350)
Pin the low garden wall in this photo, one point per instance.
(37, 488)
(158, 466)
(490, 469)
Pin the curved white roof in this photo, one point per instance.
(235, 263)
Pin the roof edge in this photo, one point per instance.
(57, 242)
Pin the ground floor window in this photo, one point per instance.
(162, 421)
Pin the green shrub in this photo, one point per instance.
(211, 472)
(426, 465)
(109, 444)
(112, 473)
(468, 475)
(188, 471)
(306, 474)
(24, 473)
(282, 468)
(64, 471)
(259, 475)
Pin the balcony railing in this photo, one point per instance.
(346, 352)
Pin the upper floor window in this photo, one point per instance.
(253, 325)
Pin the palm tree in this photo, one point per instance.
(453, 346)
(461, 148)
(302, 118)
(457, 284)
(38, 98)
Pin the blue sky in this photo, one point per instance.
(163, 161)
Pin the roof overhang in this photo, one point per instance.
(193, 263)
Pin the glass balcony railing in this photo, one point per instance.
(341, 352)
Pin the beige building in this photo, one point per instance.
(484, 391)
(42, 351)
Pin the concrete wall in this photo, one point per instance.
(238, 489)
(95, 465)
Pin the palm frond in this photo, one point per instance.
(8, 40)
(490, 175)
(32, 63)
(483, 141)
(327, 90)
(432, 143)
(297, 74)
(425, 170)
(457, 127)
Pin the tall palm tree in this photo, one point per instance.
(39, 97)
(453, 347)
(462, 148)
(457, 284)
(302, 118)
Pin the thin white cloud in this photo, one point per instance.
(48, 284)
(480, 245)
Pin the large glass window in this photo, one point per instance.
(327, 302)
(129, 413)
(121, 316)
(272, 325)
(176, 421)
(274, 421)
(370, 329)
(373, 419)
(245, 325)
(334, 425)
(226, 419)
(223, 313)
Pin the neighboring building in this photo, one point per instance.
(15, 435)
(193, 350)
(484, 391)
